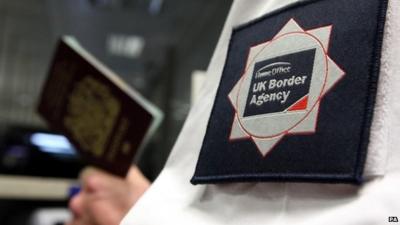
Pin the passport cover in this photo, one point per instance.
(107, 121)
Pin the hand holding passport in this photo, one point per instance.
(106, 120)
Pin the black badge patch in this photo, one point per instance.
(296, 96)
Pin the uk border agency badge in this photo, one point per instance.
(282, 86)
(296, 96)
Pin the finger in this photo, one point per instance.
(91, 179)
(87, 172)
(102, 184)
(83, 219)
(76, 205)
(95, 180)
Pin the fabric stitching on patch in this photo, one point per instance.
(369, 109)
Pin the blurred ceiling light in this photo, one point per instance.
(52, 143)
(129, 46)
(155, 6)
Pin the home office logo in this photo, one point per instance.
(281, 88)
(280, 84)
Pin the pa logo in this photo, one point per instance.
(282, 86)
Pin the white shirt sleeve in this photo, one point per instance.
(172, 199)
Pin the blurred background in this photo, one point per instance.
(159, 47)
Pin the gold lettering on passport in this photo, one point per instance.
(92, 111)
(119, 135)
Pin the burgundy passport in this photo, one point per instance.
(106, 120)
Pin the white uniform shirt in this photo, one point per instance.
(172, 199)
